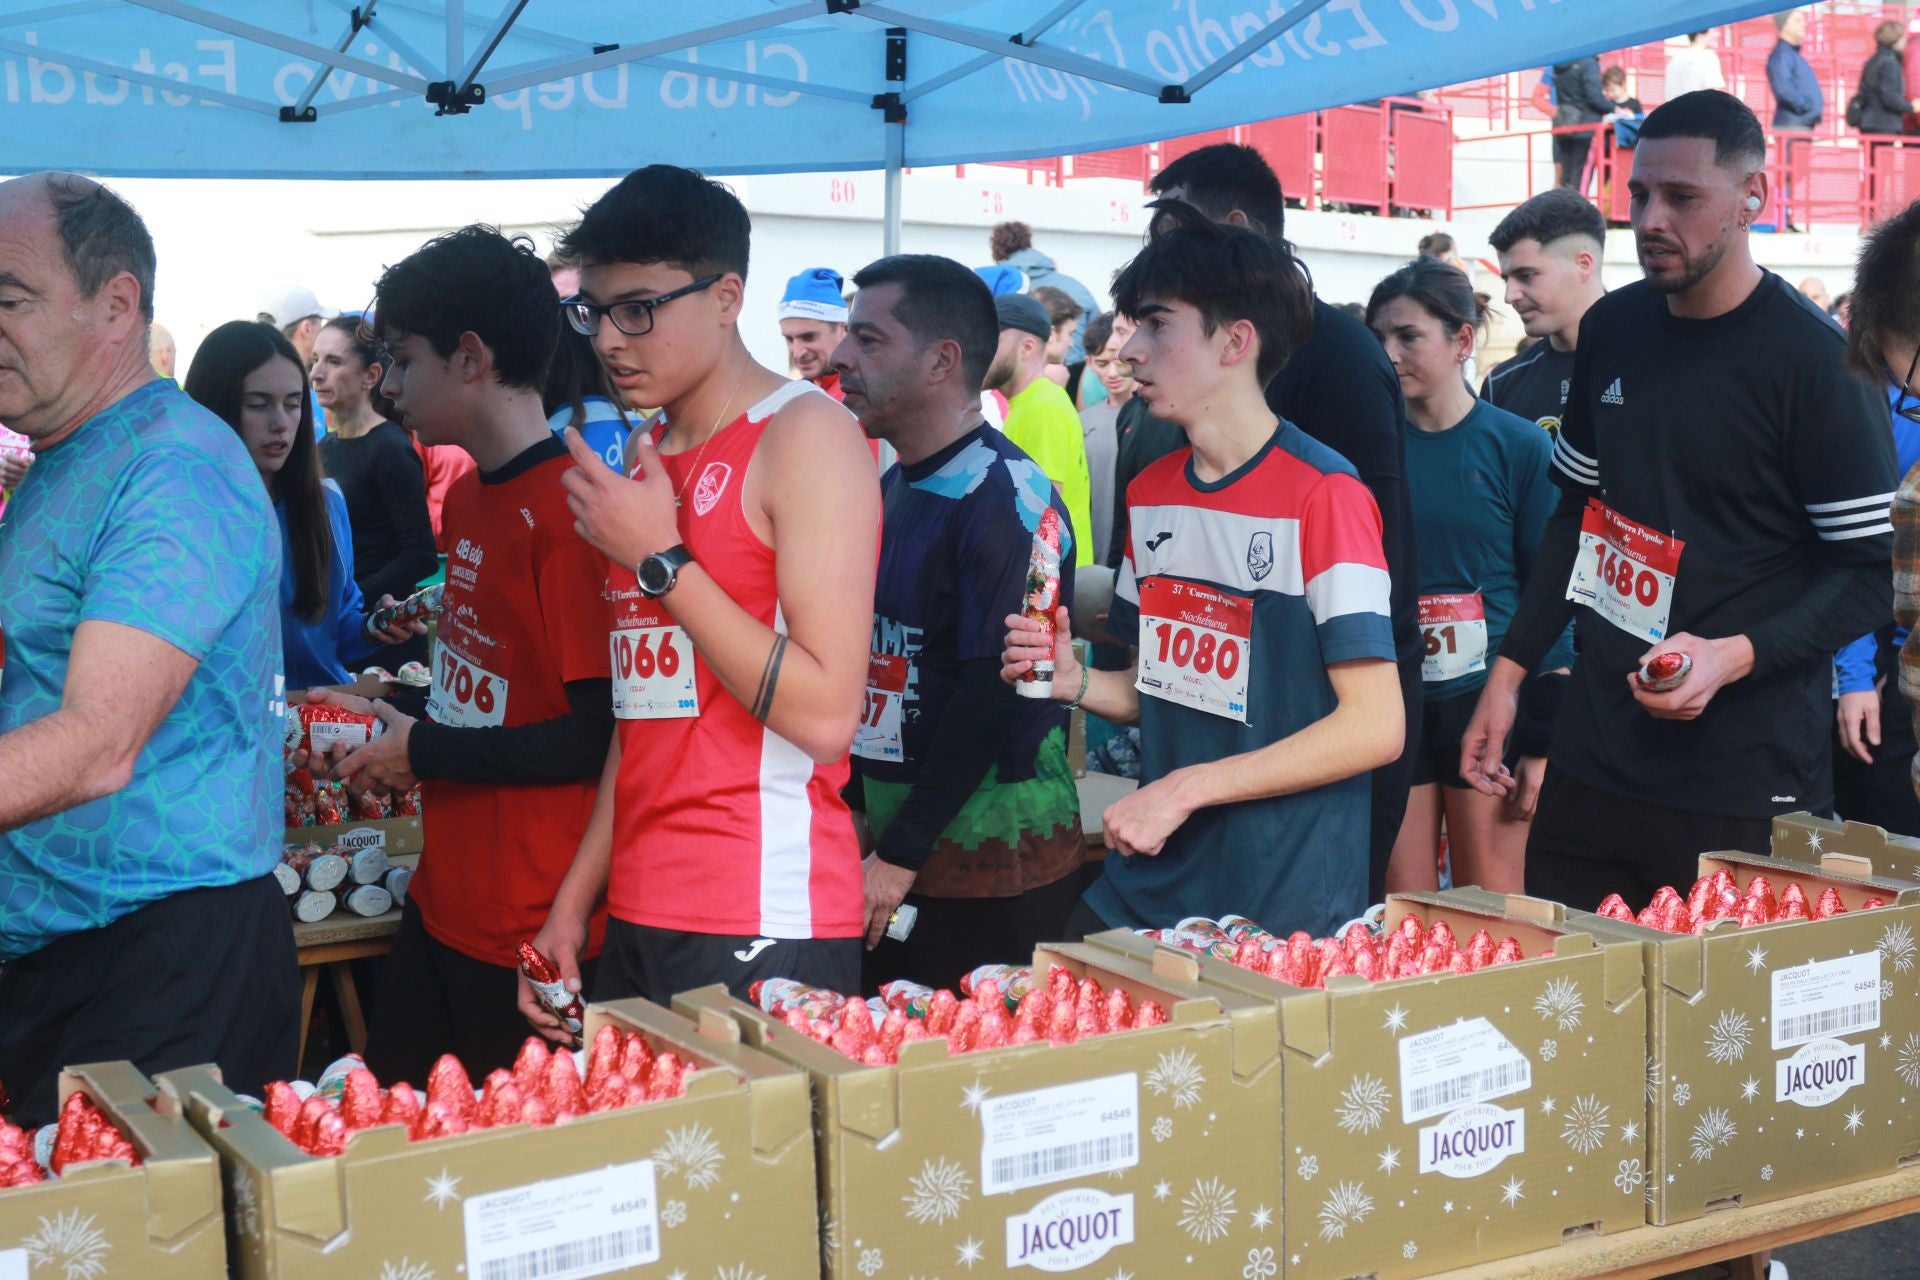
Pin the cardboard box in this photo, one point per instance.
(1439, 1121)
(1802, 836)
(395, 835)
(720, 1180)
(1783, 1058)
(160, 1220)
(1141, 1153)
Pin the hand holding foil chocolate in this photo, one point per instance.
(393, 622)
(1677, 679)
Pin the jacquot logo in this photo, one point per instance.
(1612, 394)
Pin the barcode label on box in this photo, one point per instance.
(1452, 1066)
(1066, 1131)
(1825, 999)
(572, 1228)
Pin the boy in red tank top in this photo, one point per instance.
(517, 723)
(743, 548)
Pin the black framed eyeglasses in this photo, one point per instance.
(634, 318)
(1908, 404)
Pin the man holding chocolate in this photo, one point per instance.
(1724, 521)
(140, 684)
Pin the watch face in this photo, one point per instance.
(655, 575)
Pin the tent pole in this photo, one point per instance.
(890, 235)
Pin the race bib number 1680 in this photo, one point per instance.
(1625, 571)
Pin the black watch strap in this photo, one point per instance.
(675, 558)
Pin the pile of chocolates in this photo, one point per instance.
(998, 1005)
(319, 881)
(83, 1133)
(543, 1088)
(1719, 897)
(313, 803)
(1409, 950)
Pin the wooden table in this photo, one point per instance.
(1731, 1236)
(329, 945)
(1097, 791)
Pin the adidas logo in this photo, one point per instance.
(1612, 394)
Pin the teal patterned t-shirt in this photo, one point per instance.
(152, 516)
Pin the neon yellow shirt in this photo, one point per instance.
(1041, 420)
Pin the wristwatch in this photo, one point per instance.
(659, 571)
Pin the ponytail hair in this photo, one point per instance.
(1442, 291)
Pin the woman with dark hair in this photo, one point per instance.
(373, 462)
(250, 376)
(1481, 498)
(579, 395)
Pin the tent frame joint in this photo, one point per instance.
(1175, 94)
(450, 99)
(298, 115)
(842, 6)
(360, 20)
(891, 109)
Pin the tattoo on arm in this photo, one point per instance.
(769, 680)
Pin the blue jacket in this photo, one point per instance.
(316, 653)
(1797, 101)
(1854, 667)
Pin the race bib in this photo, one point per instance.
(1455, 630)
(653, 674)
(1194, 646)
(465, 694)
(1625, 572)
(878, 737)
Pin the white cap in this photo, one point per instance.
(294, 303)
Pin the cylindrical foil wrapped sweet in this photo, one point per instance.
(1042, 599)
(316, 726)
(417, 607)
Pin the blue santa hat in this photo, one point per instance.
(814, 294)
(1002, 278)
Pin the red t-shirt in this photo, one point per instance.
(443, 464)
(522, 616)
(720, 825)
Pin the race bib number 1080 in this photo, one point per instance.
(1195, 646)
(1625, 571)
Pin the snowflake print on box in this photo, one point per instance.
(1207, 1210)
(1178, 1074)
(1309, 1167)
(1727, 1041)
(1561, 1004)
(1909, 1066)
(870, 1263)
(1896, 944)
(1716, 1129)
(405, 1270)
(738, 1271)
(937, 1192)
(1586, 1124)
(71, 1243)
(1348, 1206)
(1362, 1104)
(1162, 1129)
(692, 1153)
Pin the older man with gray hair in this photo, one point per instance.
(140, 696)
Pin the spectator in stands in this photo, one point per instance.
(1695, 65)
(1814, 290)
(1797, 102)
(1882, 96)
(813, 320)
(1065, 314)
(1613, 84)
(1012, 243)
(161, 352)
(1439, 246)
(1578, 101)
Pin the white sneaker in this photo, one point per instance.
(1776, 1271)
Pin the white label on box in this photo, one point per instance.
(1472, 1140)
(13, 1264)
(1826, 999)
(1448, 1067)
(1818, 1072)
(1066, 1131)
(587, 1224)
(1069, 1230)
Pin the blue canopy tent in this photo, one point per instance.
(548, 88)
